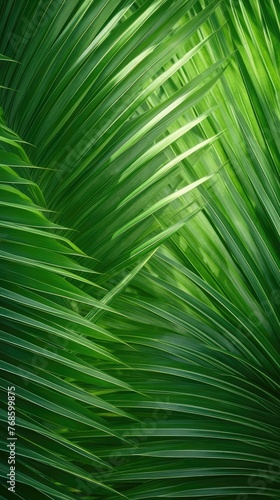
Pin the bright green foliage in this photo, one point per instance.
(139, 231)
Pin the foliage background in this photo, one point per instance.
(139, 232)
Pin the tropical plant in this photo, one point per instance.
(139, 230)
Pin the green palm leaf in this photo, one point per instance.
(146, 364)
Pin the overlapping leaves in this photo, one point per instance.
(123, 101)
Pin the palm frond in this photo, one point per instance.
(147, 363)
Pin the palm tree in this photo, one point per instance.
(139, 230)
